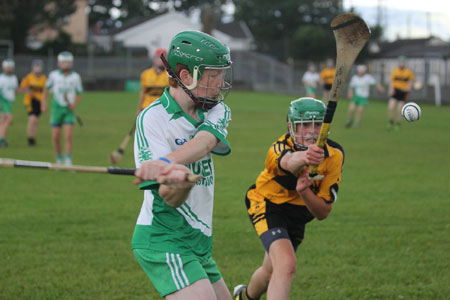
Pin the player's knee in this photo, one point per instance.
(288, 265)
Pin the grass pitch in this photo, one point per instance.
(67, 235)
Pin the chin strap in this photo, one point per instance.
(178, 80)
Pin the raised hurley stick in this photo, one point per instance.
(12, 163)
(116, 156)
(351, 34)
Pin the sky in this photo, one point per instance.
(406, 18)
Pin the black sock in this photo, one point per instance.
(248, 297)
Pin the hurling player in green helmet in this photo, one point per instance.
(176, 135)
(283, 199)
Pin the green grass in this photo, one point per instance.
(67, 235)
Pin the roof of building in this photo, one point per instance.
(424, 47)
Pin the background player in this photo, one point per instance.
(283, 199)
(8, 90)
(153, 81)
(327, 77)
(359, 91)
(402, 79)
(66, 86)
(188, 122)
(33, 84)
(310, 80)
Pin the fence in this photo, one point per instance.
(252, 71)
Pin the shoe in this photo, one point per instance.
(3, 143)
(68, 161)
(59, 161)
(397, 127)
(356, 125)
(31, 142)
(349, 124)
(238, 291)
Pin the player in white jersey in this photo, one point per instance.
(310, 80)
(359, 91)
(66, 86)
(172, 240)
(8, 90)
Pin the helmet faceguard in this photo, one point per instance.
(201, 52)
(301, 112)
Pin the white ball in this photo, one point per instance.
(411, 111)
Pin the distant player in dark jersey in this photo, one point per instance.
(33, 84)
(402, 79)
(284, 200)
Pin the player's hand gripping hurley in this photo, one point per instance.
(351, 34)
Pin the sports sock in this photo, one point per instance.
(244, 296)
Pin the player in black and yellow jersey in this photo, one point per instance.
(33, 84)
(153, 81)
(327, 77)
(402, 79)
(284, 200)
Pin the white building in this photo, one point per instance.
(158, 31)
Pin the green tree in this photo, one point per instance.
(109, 14)
(17, 17)
(277, 28)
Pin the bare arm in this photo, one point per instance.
(174, 197)
(203, 143)
(294, 162)
(195, 149)
(77, 99)
(141, 100)
(316, 205)
(174, 188)
(350, 93)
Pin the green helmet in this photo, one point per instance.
(200, 51)
(197, 49)
(304, 110)
(65, 56)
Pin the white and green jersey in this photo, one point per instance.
(361, 84)
(64, 86)
(8, 86)
(161, 128)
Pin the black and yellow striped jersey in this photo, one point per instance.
(401, 78)
(278, 185)
(153, 85)
(327, 75)
(35, 85)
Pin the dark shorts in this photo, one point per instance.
(400, 95)
(34, 108)
(277, 221)
(327, 87)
